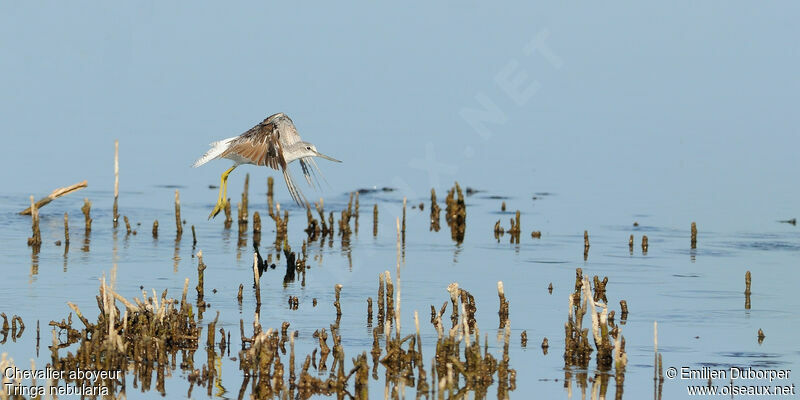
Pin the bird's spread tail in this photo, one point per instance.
(217, 148)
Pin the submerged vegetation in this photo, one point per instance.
(150, 337)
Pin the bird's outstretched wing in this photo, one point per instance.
(260, 145)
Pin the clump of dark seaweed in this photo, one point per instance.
(375, 220)
(178, 225)
(35, 241)
(577, 350)
(227, 210)
(66, 233)
(606, 335)
(453, 371)
(243, 205)
(585, 245)
(16, 333)
(503, 313)
(295, 264)
(498, 230)
(256, 229)
(322, 228)
(294, 302)
(127, 225)
(313, 229)
(87, 209)
(281, 224)
(261, 362)
(456, 213)
(514, 230)
(434, 212)
(143, 339)
(478, 369)
(747, 280)
(344, 223)
(608, 340)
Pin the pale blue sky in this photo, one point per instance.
(694, 101)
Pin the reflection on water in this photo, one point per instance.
(86, 240)
(176, 258)
(34, 266)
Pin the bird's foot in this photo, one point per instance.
(219, 207)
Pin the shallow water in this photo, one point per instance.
(695, 295)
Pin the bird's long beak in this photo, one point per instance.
(326, 157)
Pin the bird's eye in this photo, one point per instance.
(308, 147)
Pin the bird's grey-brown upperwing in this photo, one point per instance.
(261, 145)
(285, 126)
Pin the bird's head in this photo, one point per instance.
(306, 149)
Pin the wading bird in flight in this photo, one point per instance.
(273, 143)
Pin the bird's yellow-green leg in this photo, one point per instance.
(223, 192)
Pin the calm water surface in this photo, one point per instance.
(695, 295)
